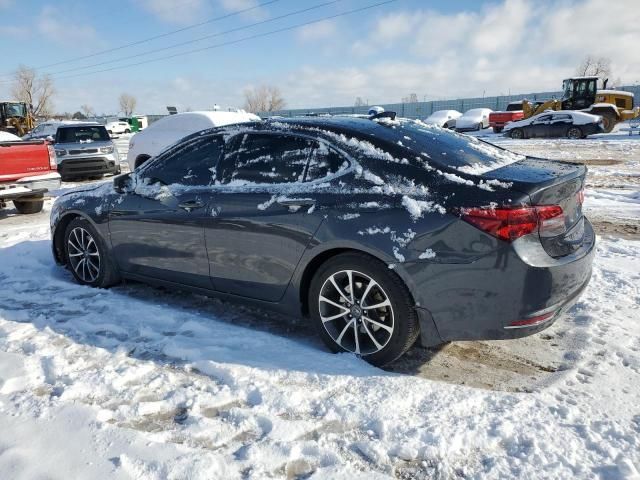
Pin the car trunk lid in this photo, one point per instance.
(551, 183)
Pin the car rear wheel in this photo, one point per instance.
(479, 126)
(87, 256)
(358, 305)
(29, 206)
(517, 133)
(574, 133)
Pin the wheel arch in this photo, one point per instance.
(57, 237)
(318, 258)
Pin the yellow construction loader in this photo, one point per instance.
(15, 118)
(581, 93)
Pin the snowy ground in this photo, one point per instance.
(136, 382)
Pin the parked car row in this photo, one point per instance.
(565, 123)
(474, 119)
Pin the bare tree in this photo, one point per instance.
(127, 104)
(265, 98)
(592, 66)
(412, 98)
(87, 110)
(34, 90)
(360, 102)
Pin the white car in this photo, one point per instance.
(443, 118)
(474, 119)
(168, 130)
(118, 127)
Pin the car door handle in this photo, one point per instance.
(296, 202)
(191, 204)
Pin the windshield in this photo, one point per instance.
(16, 110)
(86, 134)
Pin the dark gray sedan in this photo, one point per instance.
(566, 123)
(380, 231)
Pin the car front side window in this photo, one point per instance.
(193, 163)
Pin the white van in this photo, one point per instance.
(168, 130)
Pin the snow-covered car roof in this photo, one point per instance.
(476, 111)
(444, 113)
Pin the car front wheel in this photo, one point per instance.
(87, 256)
(358, 305)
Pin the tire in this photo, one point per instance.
(110, 132)
(497, 129)
(127, 131)
(98, 269)
(479, 127)
(517, 133)
(574, 133)
(608, 121)
(29, 206)
(384, 333)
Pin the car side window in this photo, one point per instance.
(544, 118)
(267, 159)
(324, 161)
(192, 163)
(562, 117)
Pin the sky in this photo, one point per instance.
(435, 49)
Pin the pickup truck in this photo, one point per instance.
(28, 170)
(513, 113)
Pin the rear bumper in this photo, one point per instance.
(35, 186)
(496, 296)
(89, 166)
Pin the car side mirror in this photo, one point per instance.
(49, 138)
(122, 183)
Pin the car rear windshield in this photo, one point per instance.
(84, 134)
(514, 107)
(433, 145)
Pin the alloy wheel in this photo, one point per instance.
(356, 312)
(83, 254)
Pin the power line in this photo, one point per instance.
(199, 39)
(155, 37)
(233, 42)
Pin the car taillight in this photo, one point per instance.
(508, 224)
(52, 157)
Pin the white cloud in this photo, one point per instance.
(52, 25)
(317, 31)
(516, 45)
(179, 12)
